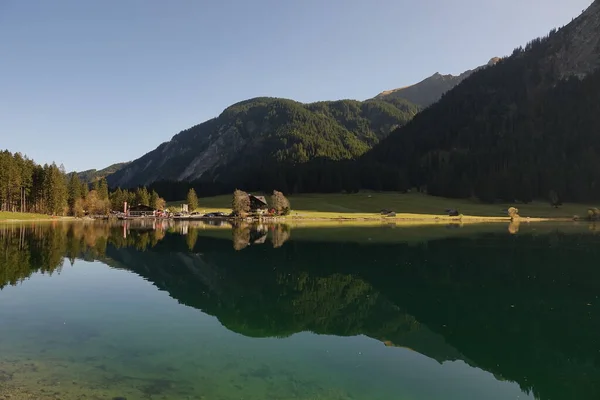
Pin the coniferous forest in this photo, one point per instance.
(47, 189)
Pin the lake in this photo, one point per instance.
(193, 311)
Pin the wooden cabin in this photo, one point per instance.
(258, 203)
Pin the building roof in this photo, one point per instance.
(262, 199)
(141, 207)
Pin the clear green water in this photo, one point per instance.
(107, 312)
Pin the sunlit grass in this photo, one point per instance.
(17, 216)
(407, 206)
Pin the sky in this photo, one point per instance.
(90, 83)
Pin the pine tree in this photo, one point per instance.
(192, 200)
(142, 196)
(154, 199)
(103, 189)
(74, 190)
(85, 189)
(55, 189)
(117, 198)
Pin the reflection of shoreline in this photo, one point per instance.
(279, 233)
(245, 234)
(472, 291)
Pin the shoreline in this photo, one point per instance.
(41, 219)
(325, 217)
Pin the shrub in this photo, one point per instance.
(240, 205)
(593, 214)
(280, 203)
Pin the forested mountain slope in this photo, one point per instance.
(265, 132)
(517, 130)
(92, 175)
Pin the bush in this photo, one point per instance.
(240, 205)
(593, 214)
(280, 203)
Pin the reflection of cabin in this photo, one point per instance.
(258, 203)
(141, 211)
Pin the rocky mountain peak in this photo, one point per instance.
(431, 89)
(576, 50)
(493, 61)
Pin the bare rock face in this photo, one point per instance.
(221, 151)
(493, 61)
(576, 51)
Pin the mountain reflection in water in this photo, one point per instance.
(524, 307)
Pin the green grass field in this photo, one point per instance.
(331, 205)
(17, 216)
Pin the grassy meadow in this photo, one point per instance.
(407, 206)
(18, 216)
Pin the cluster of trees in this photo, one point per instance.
(28, 187)
(241, 205)
(141, 195)
(99, 200)
(47, 189)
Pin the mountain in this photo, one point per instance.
(92, 175)
(430, 90)
(518, 130)
(263, 133)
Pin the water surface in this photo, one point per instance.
(98, 311)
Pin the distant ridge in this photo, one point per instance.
(431, 89)
(92, 175)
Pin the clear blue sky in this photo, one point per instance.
(90, 83)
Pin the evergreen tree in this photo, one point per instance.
(154, 200)
(142, 196)
(74, 191)
(103, 189)
(85, 189)
(55, 190)
(192, 200)
(117, 199)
